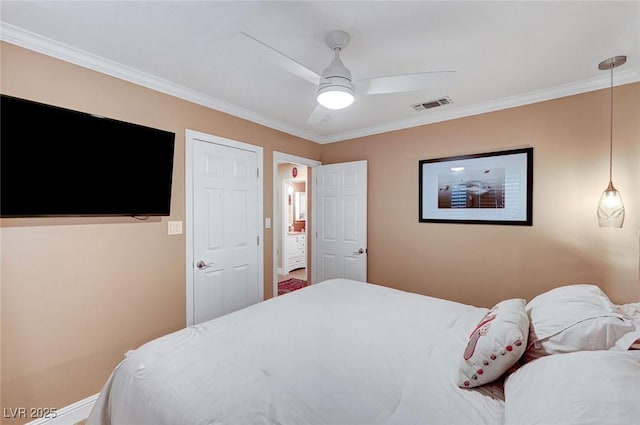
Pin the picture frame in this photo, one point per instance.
(485, 188)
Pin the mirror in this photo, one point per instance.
(295, 205)
(300, 206)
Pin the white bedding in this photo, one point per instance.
(338, 352)
(599, 387)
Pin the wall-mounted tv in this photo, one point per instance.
(59, 162)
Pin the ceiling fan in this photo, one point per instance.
(335, 86)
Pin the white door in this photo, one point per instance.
(341, 221)
(225, 230)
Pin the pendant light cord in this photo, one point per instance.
(611, 130)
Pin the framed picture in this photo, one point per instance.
(486, 188)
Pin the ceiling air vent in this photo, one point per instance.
(432, 104)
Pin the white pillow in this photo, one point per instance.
(573, 318)
(630, 341)
(585, 387)
(496, 344)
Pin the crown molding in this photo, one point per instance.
(452, 112)
(32, 41)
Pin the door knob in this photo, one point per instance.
(202, 265)
(360, 251)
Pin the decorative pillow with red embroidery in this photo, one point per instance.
(496, 344)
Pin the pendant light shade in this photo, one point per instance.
(610, 207)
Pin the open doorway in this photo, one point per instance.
(292, 267)
(292, 222)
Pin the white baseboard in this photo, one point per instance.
(71, 414)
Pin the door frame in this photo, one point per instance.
(278, 158)
(190, 138)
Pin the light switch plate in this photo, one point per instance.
(267, 223)
(175, 227)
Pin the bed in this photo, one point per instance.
(348, 352)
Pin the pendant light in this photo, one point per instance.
(610, 207)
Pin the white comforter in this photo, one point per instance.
(337, 352)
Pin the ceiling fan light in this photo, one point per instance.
(335, 97)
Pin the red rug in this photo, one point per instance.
(290, 285)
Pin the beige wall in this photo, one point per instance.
(77, 293)
(481, 264)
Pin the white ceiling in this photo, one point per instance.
(505, 54)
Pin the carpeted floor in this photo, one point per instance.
(290, 285)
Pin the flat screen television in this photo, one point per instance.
(59, 162)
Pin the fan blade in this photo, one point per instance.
(284, 61)
(404, 83)
(319, 114)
